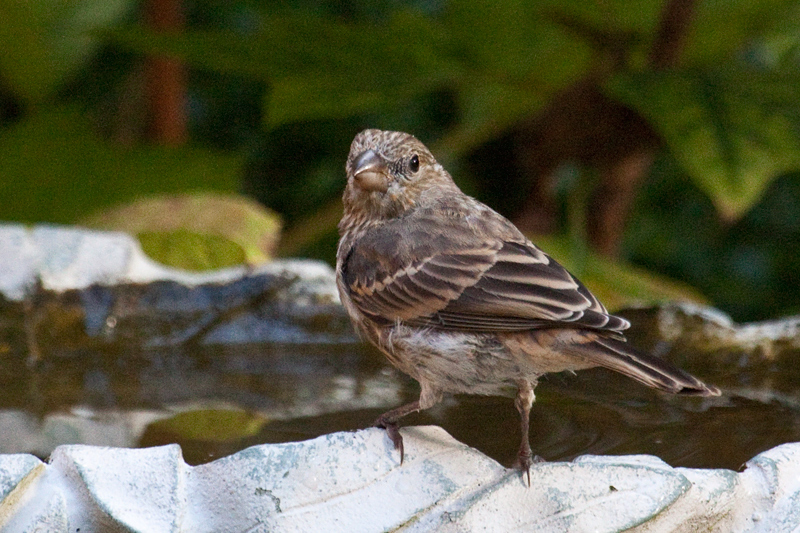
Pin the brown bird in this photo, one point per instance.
(455, 296)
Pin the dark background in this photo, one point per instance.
(639, 143)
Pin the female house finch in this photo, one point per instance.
(455, 296)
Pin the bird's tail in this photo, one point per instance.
(619, 356)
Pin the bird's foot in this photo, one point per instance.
(393, 431)
(525, 459)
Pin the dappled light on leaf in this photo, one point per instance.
(191, 251)
(197, 231)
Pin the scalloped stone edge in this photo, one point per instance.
(352, 481)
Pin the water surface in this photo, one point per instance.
(307, 390)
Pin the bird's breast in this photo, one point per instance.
(454, 362)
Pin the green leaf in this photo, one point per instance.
(732, 132)
(258, 57)
(354, 69)
(487, 108)
(722, 28)
(191, 251)
(502, 37)
(548, 40)
(318, 68)
(615, 283)
(197, 231)
(43, 42)
(610, 17)
(57, 170)
(507, 84)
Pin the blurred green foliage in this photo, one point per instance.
(277, 91)
(733, 130)
(747, 267)
(57, 169)
(47, 41)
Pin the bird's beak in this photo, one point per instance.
(371, 172)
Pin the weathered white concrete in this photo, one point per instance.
(64, 257)
(354, 482)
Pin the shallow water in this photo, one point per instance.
(303, 391)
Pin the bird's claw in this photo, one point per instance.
(524, 462)
(393, 431)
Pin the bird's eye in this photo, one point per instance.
(413, 164)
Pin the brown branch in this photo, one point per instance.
(614, 197)
(624, 172)
(620, 179)
(166, 78)
(583, 125)
(673, 32)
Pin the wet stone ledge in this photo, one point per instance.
(85, 287)
(686, 326)
(63, 288)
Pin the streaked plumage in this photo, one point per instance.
(455, 296)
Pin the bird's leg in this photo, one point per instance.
(523, 403)
(388, 421)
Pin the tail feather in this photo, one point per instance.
(619, 356)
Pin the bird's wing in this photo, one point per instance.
(524, 289)
(450, 277)
(399, 273)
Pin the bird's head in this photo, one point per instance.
(389, 172)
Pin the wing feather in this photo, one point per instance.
(470, 284)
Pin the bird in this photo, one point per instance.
(455, 296)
